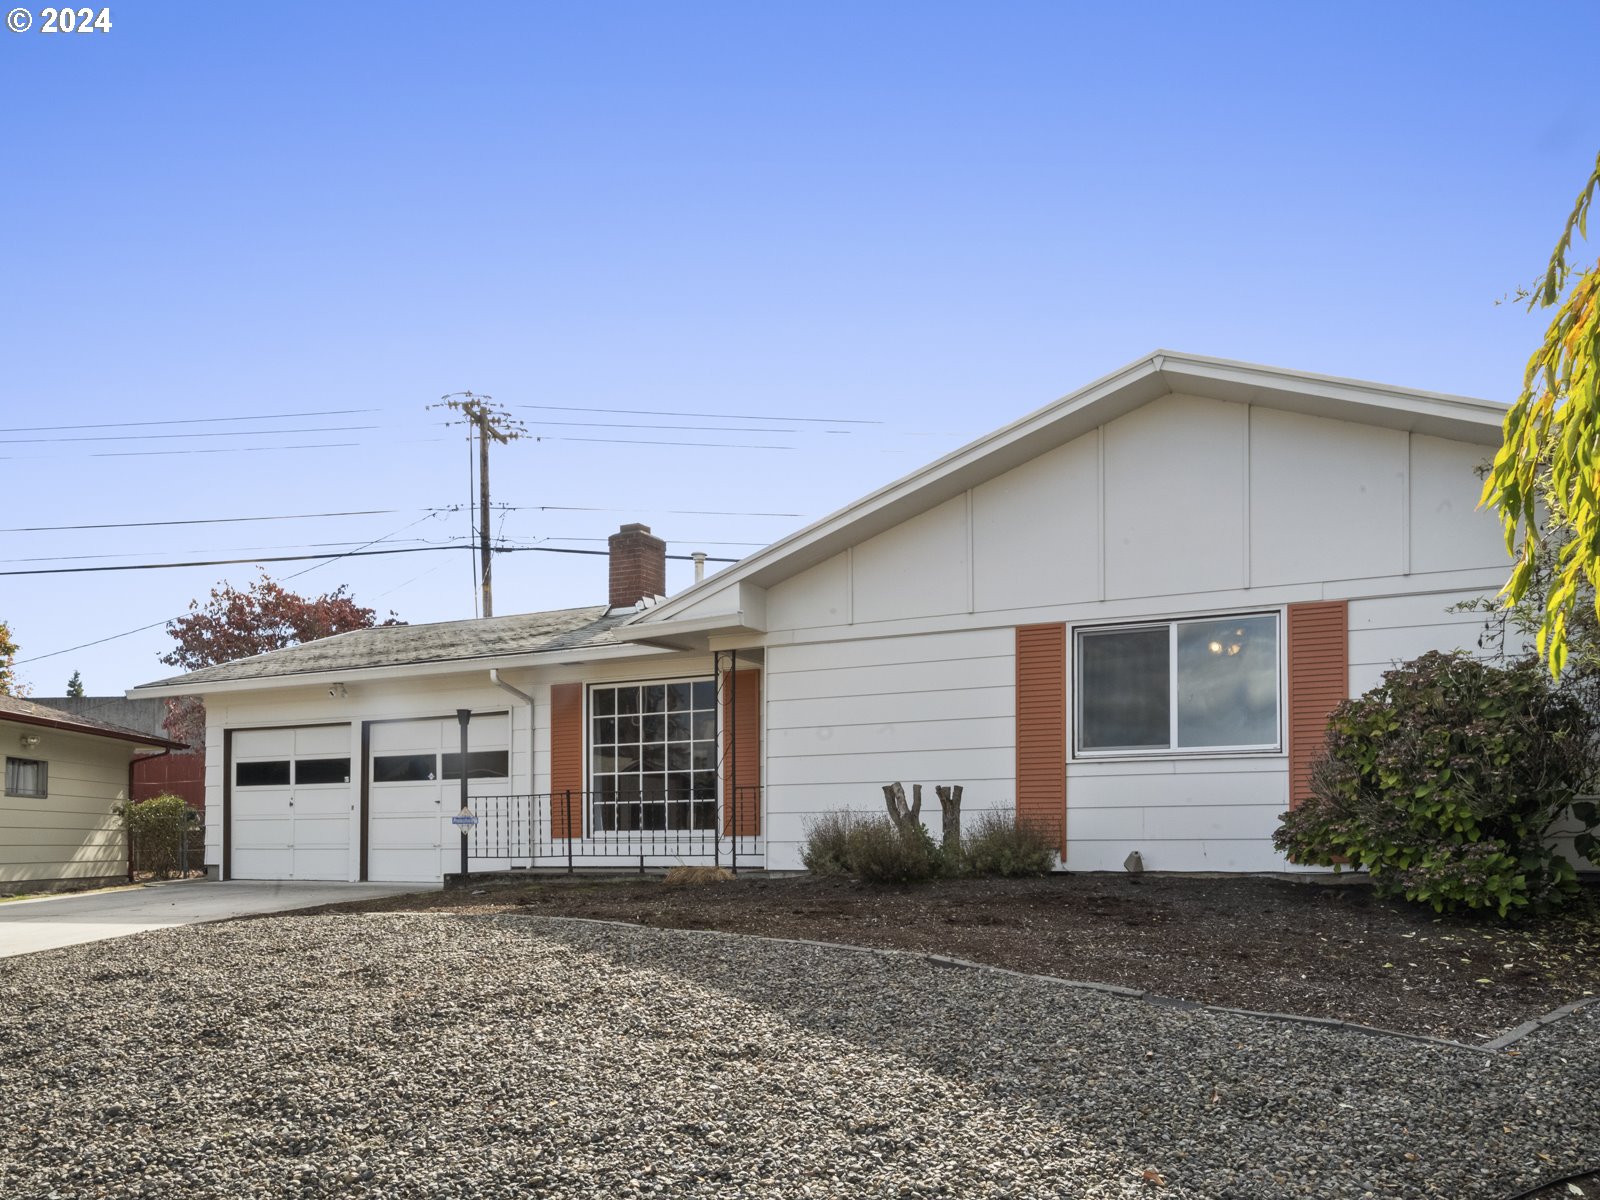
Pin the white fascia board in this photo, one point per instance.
(1463, 418)
(993, 454)
(1164, 372)
(453, 666)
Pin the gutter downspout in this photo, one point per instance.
(494, 678)
(133, 762)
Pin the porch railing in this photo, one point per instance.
(591, 829)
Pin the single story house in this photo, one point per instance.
(181, 773)
(64, 774)
(1124, 617)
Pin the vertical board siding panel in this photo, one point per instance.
(741, 750)
(1042, 729)
(1319, 678)
(566, 759)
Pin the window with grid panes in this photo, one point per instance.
(653, 756)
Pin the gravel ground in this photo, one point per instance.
(498, 1056)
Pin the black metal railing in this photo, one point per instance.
(593, 829)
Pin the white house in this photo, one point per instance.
(1125, 617)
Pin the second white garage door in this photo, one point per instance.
(415, 788)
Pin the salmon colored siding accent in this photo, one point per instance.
(741, 753)
(1042, 729)
(1319, 678)
(566, 759)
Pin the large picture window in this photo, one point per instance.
(1207, 684)
(653, 756)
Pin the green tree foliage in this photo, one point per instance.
(9, 684)
(1550, 455)
(1443, 781)
(75, 686)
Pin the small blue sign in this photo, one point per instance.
(465, 820)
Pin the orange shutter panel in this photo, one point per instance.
(1042, 730)
(1319, 678)
(566, 760)
(741, 753)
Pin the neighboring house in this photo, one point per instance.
(1125, 617)
(182, 773)
(64, 773)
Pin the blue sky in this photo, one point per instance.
(935, 217)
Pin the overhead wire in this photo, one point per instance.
(326, 412)
(659, 412)
(358, 512)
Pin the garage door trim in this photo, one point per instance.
(227, 785)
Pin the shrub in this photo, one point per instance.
(827, 846)
(845, 843)
(1443, 781)
(999, 844)
(155, 830)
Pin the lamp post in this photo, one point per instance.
(464, 715)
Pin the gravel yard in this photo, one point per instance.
(442, 1055)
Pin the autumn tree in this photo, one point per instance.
(1546, 477)
(9, 686)
(234, 624)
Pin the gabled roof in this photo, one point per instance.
(1162, 373)
(26, 712)
(410, 645)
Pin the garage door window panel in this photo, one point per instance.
(310, 772)
(267, 773)
(404, 768)
(481, 764)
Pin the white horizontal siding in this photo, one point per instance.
(845, 718)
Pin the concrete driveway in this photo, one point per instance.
(47, 922)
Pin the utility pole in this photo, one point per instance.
(490, 422)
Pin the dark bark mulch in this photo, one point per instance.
(1311, 949)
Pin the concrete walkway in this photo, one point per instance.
(46, 922)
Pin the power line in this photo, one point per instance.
(204, 433)
(684, 428)
(326, 412)
(671, 512)
(657, 412)
(238, 550)
(96, 642)
(650, 442)
(231, 562)
(221, 562)
(363, 512)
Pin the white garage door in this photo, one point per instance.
(292, 803)
(415, 789)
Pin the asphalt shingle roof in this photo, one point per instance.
(17, 709)
(409, 645)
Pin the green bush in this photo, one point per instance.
(827, 845)
(999, 844)
(155, 830)
(845, 843)
(1443, 781)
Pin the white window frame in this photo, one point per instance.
(1172, 749)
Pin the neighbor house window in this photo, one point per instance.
(653, 756)
(1207, 684)
(27, 777)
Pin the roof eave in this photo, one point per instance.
(130, 736)
(448, 666)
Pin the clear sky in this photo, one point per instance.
(932, 216)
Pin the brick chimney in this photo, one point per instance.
(638, 565)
